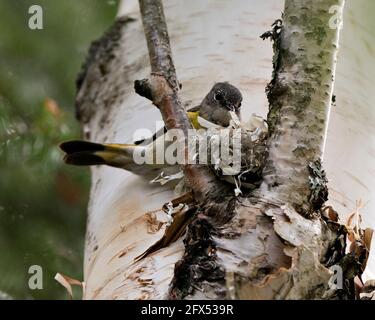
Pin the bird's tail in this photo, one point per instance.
(84, 153)
(124, 156)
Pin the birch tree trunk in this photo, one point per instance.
(275, 249)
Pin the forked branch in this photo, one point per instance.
(162, 89)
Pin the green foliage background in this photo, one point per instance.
(42, 201)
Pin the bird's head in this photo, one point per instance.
(226, 96)
(222, 98)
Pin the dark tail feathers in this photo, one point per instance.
(78, 145)
(82, 153)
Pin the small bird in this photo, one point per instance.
(214, 110)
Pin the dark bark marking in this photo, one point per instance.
(101, 53)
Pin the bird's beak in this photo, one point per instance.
(230, 107)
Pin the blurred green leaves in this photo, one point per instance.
(42, 201)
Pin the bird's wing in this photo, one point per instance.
(193, 114)
(198, 121)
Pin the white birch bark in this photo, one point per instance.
(211, 41)
(350, 146)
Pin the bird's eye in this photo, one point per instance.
(219, 97)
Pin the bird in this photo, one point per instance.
(214, 110)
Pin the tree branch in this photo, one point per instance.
(157, 38)
(162, 89)
(299, 95)
(163, 85)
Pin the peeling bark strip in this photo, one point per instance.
(300, 96)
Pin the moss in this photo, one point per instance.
(320, 34)
(276, 89)
(321, 55)
(299, 151)
(316, 27)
